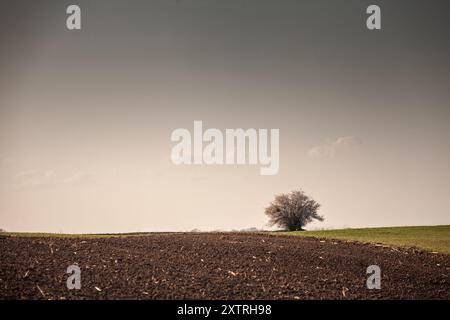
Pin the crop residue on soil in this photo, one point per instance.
(216, 266)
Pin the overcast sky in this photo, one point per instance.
(86, 116)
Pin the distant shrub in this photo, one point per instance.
(292, 211)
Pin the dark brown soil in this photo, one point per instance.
(216, 266)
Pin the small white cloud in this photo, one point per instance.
(33, 179)
(330, 149)
(79, 178)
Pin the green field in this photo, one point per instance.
(430, 238)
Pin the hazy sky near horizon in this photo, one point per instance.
(86, 116)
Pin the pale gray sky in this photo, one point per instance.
(86, 116)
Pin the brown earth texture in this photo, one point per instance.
(216, 266)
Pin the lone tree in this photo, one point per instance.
(292, 211)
